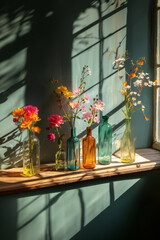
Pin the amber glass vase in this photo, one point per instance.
(89, 150)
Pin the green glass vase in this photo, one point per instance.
(104, 141)
(127, 147)
(73, 151)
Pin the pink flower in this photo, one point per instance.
(55, 120)
(31, 110)
(99, 105)
(93, 108)
(77, 91)
(74, 105)
(86, 97)
(83, 107)
(89, 71)
(96, 119)
(87, 115)
(51, 136)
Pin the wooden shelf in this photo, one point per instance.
(12, 180)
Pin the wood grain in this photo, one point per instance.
(12, 180)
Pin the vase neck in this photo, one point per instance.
(128, 124)
(89, 131)
(30, 133)
(73, 132)
(105, 119)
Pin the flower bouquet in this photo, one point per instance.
(136, 81)
(26, 118)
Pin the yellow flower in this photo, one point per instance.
(61, 90)
(68, 94)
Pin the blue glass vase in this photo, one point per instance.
(73, 151)
(104, 141)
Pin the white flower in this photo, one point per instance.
(121, 66)
(145, 84)
(138, 94)
(135, 104)
(128, 87)
(133, 99)
(135, 93)
(139, 102)
(143, 107)
(131, 93)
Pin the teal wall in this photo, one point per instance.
(116, 208)
(40, 41)
(43, 39)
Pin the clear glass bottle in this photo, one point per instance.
(31, 155)
(89, 150)
(60, 157)
(127, 147)
(104, 141)
(73, 151)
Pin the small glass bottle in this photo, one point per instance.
(73, 151)
(127, 147)
(89, 150)
(60, 160)
(104, 141)
(31, 155)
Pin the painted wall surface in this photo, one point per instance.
(44, 39)
(116, 208)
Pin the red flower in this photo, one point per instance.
(51, 136)
(55, 120)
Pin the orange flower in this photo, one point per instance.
(36, 129)
(146, 118)
(140, 63)
(25, 124)
(156, 82)
(124, 84)
(133, 75)
(136, 69)
(33, 117)
(19, 112)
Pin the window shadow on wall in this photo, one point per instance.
(39, 41)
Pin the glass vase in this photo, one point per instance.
(127, 147)
(60, 158)
(89, 150)
(73, 151)
(104, 141)
(31, 155)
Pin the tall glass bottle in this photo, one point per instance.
(73, 151)
(127, 147)
(104, 141)
(31, 155)
(89, 150)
